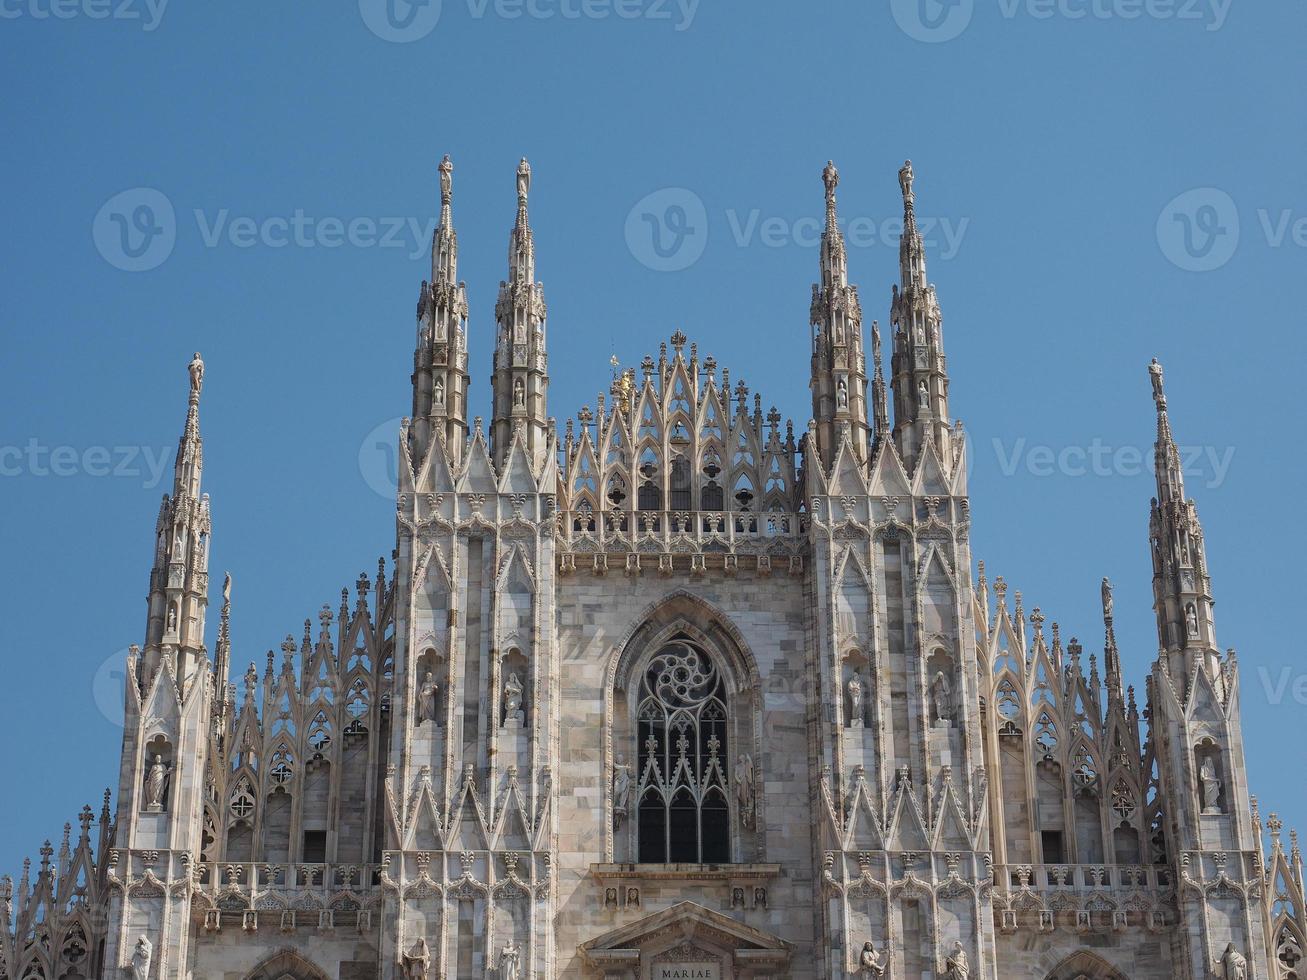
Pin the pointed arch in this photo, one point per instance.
(1086, 965)
(286, 963)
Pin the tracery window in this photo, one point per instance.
(684, 816)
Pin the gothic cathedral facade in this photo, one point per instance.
(673, 692)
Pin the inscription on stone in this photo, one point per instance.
(686, 971)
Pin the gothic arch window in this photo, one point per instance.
(681, 731)
(680, 490)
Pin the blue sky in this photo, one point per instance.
(1108, 181)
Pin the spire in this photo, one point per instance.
(179, 577)
(440, 378)
(521, 378)
(1111, 656)
(1182, 593)
(838, 375)
(918, 367)
(222, 665)
(880, 405)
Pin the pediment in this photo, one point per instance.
(687, 937)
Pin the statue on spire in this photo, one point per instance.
(523, 182)
(1107, 600)
(446, 180)
(831, 178)
(196, 369)
(1155, 372)
(906, 178)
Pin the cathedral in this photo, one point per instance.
(669, 691)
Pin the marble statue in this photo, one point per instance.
(509, 957)
(941, 697)
(156, 785)
(141, 957)
(523, 180)
(1234, 965)
(621, 789)
(196, 369)
(439, 393)
(871, 962)
(857, 687)
(957, 966)
(427, 701)
(1211, 786)
(745, 789)
(446, 179)
(1107, 599)
(513, 713)
(415, 963)
(842, 395)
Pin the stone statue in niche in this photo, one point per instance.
(439, 393)
(1234, 965)
(842, 395)
(427, 699)
(923, 395)
(519, 393)
(857, 687)
(415, 963)
(621, 790)
(610, 898)
(141, 957)
(871, 962)
(514, 717)
(957, 966)
(745, 790)
(156, 785)
(1191, 620)
(172, 619)
(941, 697)
(1211, 786)
(509, 957)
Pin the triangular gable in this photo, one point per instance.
(687, 921)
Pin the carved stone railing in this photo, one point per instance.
(1083, 896)
(681, 531)
(1083, 877)
(285, 896)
